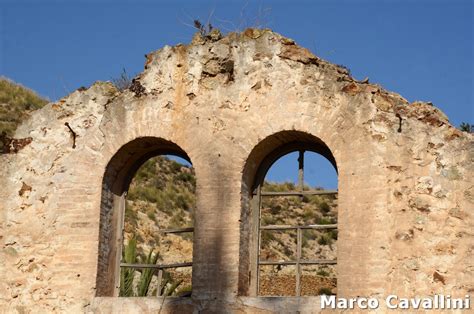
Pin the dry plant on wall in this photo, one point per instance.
(466, 127)
(259, 19)
(123, 82)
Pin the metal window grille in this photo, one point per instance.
(299, 261)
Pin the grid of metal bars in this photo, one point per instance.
(161, 267)
(299, 261)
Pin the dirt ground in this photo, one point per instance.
(285, 285)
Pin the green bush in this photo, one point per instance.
(275, 209)
(151, 214)
(324, 207)
(130, 215)
(139, 238)
(178, 220)
(322, 273)
(278, 187)
(304, 240)
(143, 193)
(186, 178)
(266, 237)
(268, 220)
(309, 214)
(157, 181)
(324, 221)
(309, 234)
(287, 251)
(132, 194)
(182, 201)
(328, 237)
(175, 166)
(325, 291)
(466, 127)
(324, 240)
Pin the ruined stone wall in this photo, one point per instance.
(405, 177)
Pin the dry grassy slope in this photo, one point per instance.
(297, 211)
(16, 103)
(161, 196)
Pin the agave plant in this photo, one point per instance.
(127, 275)
(172, 289)
(147, 275)
(129, 255)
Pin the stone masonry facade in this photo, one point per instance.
(406, 196)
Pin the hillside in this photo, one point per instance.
(161, 196)
(16, 103)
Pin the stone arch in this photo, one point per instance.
(116, 180)
(258, 163)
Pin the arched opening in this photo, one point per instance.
(146, 223)
(290, 214)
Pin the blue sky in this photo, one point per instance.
(420, 49)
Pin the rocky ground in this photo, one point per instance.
(285, 285)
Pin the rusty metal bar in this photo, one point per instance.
(253, 243)
(299, 193)
(301, 170)
(178, 230)
(298, 261)
(158, 266)
(120, 226)
(302, 262)
(160, 279)
(319, 262)
(289, 227)
(259, 239)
